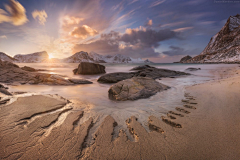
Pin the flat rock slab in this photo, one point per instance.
(135, 88)
(80, 81)
(115, 77)
(143, 71)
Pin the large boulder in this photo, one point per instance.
(88, 68)
(135, 88)
(115, 77)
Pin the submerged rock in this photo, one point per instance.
(80, 81)
(115, 77)
(89, 68)
(135, 88)
(141, 67)
(193, 69)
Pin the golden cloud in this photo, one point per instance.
(150, 22)
(41, 16)
(16, 13)
(83, 32)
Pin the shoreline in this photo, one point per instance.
(203, 133)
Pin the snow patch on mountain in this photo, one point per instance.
(224, 46)
(5, 57)
(37, 57)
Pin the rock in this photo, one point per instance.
(151, 72)
(115, 77)
(135, 88)
(4, 91)
(80, 81)
(186, 58)
(7, 64)
(30, 69)
(193, 69)
(12, 74)
(89, 68)
(141, 67)
(159, 73)
(223, 47)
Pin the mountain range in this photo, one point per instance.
(224, 47)
(43, 57)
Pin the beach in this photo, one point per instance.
(202, 124)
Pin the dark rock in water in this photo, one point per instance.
(135, 88)
(193, 69)
(30, 69)
(150, 72)
(115, 77)
(4, 91)
(80, 81)
(88, 68)
(186, 58)
(156, 73)
(141, 67)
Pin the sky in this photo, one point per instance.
(159, 30)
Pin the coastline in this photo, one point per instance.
(208, 132)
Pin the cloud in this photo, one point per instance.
(156, 3)
(182, 29)
(149, 23)
(41, 16)
(138, 42)
(147, 37)
(16, 13)
(3, 37)
(175, 50)
(172, 24)
(83, 32)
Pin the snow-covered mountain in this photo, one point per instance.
(224, 46)
(97, 58)
(5, 57)
(37, 57)
(43, 57)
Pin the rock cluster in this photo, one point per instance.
(11, 73)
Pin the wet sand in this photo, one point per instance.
(205, 126)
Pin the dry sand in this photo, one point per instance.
(206, 126)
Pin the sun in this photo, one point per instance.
(50, 56)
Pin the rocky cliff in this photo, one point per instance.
(224, 46)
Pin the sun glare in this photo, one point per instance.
(50, 56)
